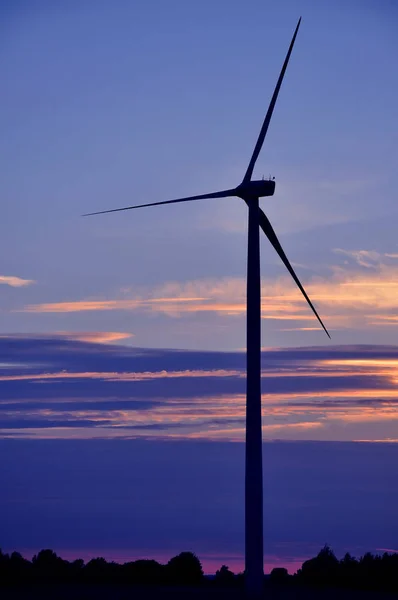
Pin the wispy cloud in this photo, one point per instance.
(115, 376)
(103, 305)
(97, 337)
(337, 393)
(14, 281)
(303, 329)
(346, 299)
(365, 258)
(384, 320)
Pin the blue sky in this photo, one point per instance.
(100, 500)
(111, 104)
(108, 106)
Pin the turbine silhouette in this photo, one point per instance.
(250, 191)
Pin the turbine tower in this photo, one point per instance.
(250, 191)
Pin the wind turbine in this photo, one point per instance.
(250, 191)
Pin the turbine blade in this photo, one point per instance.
(271, 235)
(222, 194)
(270, 110)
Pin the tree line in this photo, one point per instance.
(370, 572)
(47, 567)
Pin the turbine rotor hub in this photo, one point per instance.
(257, 189)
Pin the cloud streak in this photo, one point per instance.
(96, 337)
(365, 258)
(347, 299)
(49, 387)
(14, 281)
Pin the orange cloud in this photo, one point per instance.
(384, 320)
(15, 281)
(238, 433)
(96, 337)
(290, 415)
(303, 329)
(346, 299)
(95, 305)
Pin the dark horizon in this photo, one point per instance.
(48, 572)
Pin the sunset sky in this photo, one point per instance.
(122, 336)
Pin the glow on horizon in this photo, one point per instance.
(211, 561)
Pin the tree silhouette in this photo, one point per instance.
(279, 575)
(369, 572)
(321, 570)
(144, 571)
(98, 570)
(224, 576)
(47, 565)
(185, 568)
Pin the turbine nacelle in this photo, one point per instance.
(255, 189)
